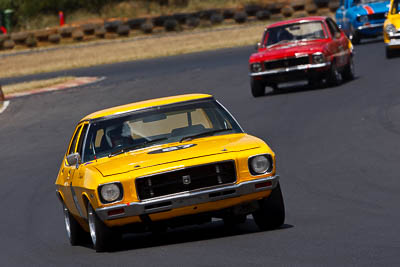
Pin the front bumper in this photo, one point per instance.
(394, 41)
(372, 26)
(291, 69)
(187, 199)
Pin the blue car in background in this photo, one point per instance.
(362, 18)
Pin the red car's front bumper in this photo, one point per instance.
(299, 72)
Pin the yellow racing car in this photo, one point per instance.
(391, 33)
(163, 163)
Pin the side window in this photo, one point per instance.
(81, 139)
(74, 139)
(332, 28)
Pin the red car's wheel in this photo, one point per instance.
(334, 77)
(349, 71)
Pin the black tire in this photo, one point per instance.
(271, 214)
(257, 88)
(389, 53)
(76, 235)
(354, 36)
(102, 237)
(334, 76)
(349, 71)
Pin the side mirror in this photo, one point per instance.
(74, 159)
(257, 46)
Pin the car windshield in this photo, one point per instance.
(166, 124)
(294, 32)
(395, 7)
(361, 2)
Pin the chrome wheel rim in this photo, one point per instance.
(337, 75)
(352, 67)
(67, 222)
(92, 226)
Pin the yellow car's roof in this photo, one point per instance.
(144, 104)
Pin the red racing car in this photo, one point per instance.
(312, 48)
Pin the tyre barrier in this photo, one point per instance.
(240, 17)
(274, 10)
(147, 27)
(263, 14)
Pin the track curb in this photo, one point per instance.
(62, 86)
(3, 106)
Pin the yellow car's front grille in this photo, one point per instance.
(186, 179)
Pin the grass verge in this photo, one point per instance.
(33, 85)
(69, 57)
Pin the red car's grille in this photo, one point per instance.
(286, 63)
(187, 179)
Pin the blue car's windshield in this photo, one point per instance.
(361, 2)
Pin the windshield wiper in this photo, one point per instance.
(191, 137)
(281, 42)
(141, 145)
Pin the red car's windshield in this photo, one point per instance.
(301, 31)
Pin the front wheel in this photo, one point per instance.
(271, 214)
(389, 53)
(257, 88)
(101, 235)
(76, 235)
(349, 70)
(354, 36)
(334, 76)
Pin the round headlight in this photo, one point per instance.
(110, 192)
(318, 58)
(260, 164)
(363, 18)
(256, 67)
(390, 29)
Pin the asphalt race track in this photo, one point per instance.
(337, 149)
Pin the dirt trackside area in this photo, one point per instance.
(69, 57)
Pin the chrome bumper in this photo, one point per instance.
(394, 40)
(186, 199)
(289, 69)
(370, 26)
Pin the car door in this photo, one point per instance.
(77, 175)
(337, 47)
(67, 173)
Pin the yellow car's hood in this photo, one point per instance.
(175, 152)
